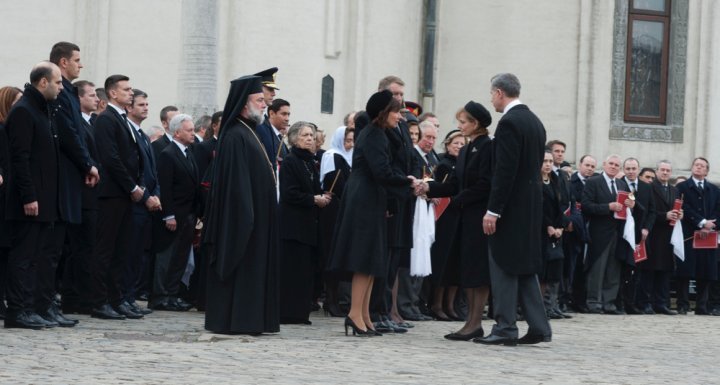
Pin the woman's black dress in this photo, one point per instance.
(469, 189)
(299, 216)
(555, 201)
(360, 241)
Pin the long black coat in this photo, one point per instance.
(74, 156)
(516, 195)
(329, 214)
(659, 250)
(698, 205)
(445, 227)
(299, 216)
(4, 172)
(119, 155)
(466, 252)
(33, 149)
(241, 236)
(360, 244)
(402, 203)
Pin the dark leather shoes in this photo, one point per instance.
(137, 309)
(125, 309)
(479, 333)
(494, 339)
(682, 310)
(53, 314)
(663, 310)
(106, 312)
(530, 339)
(614, 312)
(181, 303)
(24, 320)
(596, 310)
(649, 310)
(701, 312)
(632, 310)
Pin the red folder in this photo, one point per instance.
(622, 196)
(676, 206)
(640, 253)
(710, 242)
(441, 206)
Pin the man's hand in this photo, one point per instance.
(31, 209)
(630, 203)
(644, 233)
(709, 224)
(421, 189)
(672, 215)
(1, 180)
(617, 207)
(489, 222)
(171, 224)
(92, 177)
(137, 195)
(153, 203)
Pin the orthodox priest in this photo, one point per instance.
(240, 221)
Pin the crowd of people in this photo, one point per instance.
(245, 216)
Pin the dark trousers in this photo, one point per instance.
(45, 288)
(198, 280)
(3, 276)
(653, 289)
(26, 254)
(701, 294)
(170, 263)
(77, 283)
(136, 258)
(507, 289)
(628, 286)
(113, 240)
(381, 297)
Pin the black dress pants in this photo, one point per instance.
(26, 254)
(113, 239)
(45, 289)
(77, 283)
(170, 263)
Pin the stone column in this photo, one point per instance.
(197, 78)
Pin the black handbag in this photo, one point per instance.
(554, 250)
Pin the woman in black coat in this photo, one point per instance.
(301, 199)
(445, 285)
(469, 190)
(360, 244)
(554, 221)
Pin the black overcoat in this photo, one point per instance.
(698, 205)
(299, 216)
(659, 250)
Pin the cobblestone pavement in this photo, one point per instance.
(173, 348)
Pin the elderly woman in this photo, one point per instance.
(469, 189)
(445, 288)
(360, 244)
(300, 201)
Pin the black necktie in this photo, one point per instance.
(632, 186)
(700, 186)
(127, 123)
(188, 156)
(667, 193)
(613, 192)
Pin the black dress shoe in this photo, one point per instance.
(465, 337)
(494, 339)
(54, 314)
(137, 309)
(596, 310)
(530, 339)
(552, 314)
(48, 320)
(125, 309)
(181, 303)
(649, 310)
(701, 312)
(682, 310)
(632, 310)
(663, 310)
(106, 312)
(614, 312)
(24, 320)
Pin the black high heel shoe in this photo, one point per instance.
(355, 330)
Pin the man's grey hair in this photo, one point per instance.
(613, 156)
(203, 122)
(426, 125)
(294, 131)
(177, 122)
(154, 130)
(508, 83)
(664, 161)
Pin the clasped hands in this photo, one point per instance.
(617, 207)
(323, 200)
(420, 188)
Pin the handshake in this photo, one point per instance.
(419, 186)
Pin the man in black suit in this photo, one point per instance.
(179, 182)
(76, 287)
(514, 218)
(76, 168)
(273, 130)
(32, 193)
(653, 295)
(137, 261)
(579, 238)
(644, 217)
(204, 152)
(166, 115)
(122, 184)
(603, 267)
(701, 206)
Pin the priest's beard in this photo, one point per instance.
(255, 115)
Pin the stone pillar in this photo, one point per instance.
(197, 78)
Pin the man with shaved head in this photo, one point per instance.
(32, 193)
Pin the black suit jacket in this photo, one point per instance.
(516, 191)
(159, 145)
(603, 226)
(90, 194)
(271, 142)
(401, 202)
(644, 210)
(119, 155)
(659, 250)
(149, 171)
(33, 155)
(204, 153)
(75, 160)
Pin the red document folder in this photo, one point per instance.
(622, 196)
(710, 242)
(441, 206)
(676, 206)
(640, 253)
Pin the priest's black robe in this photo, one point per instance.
(241, 237)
